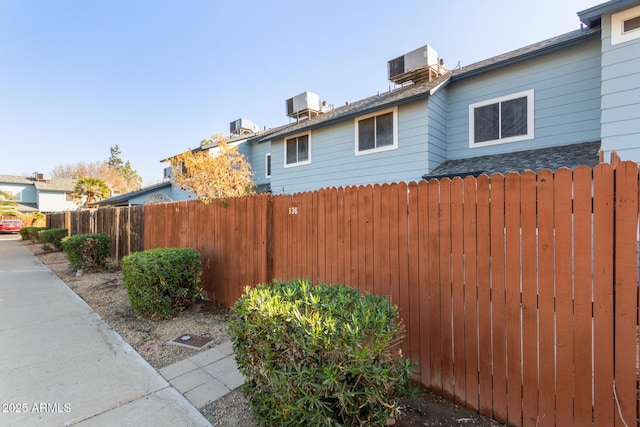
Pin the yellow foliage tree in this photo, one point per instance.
(219, 172)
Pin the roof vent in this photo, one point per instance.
(242, 127)
(42, 176)
(304, 106)
(416, 66)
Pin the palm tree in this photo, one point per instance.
(93, 188)
(7, 205)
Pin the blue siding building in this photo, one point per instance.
(556, 103)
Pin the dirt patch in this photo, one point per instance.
(105, 292)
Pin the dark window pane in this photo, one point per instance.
(292, 151)
(632, 24)
(485, 123)
(303, 148)
(268, 165)
(514, 117)
(384, 130)
(366, 139)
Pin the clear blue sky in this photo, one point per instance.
(156, 77)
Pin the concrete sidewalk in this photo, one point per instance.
(60, 364)
(207, 376)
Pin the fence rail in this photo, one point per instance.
(519, 293)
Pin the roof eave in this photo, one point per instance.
(528, 55)
(350, 115)
(592, 17)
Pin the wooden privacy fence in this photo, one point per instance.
(123, 225)
(519, 293)
(231, 236)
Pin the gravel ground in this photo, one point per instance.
(106, 294)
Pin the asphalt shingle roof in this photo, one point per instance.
(553, 158)
(413, 92)
(66, 185)
(121, 198)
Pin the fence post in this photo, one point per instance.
(269, 248)
(117, 225)
(67, 221)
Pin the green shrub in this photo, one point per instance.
(87, 250)
(162, 282)
(31, 233)
(319, 355)
(52, 237)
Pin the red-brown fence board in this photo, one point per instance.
(626, 290)
(564, 295)
(419, 283)
(546, 302)
(519, 294)
(513, 299)
(603, 235)
(470, 358)
(490, 383)
(434, 313)
(582, 295)
(498, 297)
(418, 309)
(457, 290)
(529, 300)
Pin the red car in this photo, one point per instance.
(10, 225)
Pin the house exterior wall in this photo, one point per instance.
(54, 201)
(23, 193)
(437, 135)
(620, 95)
(566, 86)
(257, 158)
(334, 162)
(177, 193)
(140, 200)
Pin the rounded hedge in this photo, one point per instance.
(162, 282)
(319, 355)
(86, 250)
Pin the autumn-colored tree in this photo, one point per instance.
(93, 189)
(219, 172)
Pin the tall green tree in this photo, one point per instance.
(124, 169)
(93, 189)
(8, 204)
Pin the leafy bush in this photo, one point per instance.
(31, 233)
(52, 236)
(162, 282)
(87, 250)
(319, 355)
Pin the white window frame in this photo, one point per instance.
(305, 162)
(618, 35)
(267, 161)
(530, 119)
(393, 146)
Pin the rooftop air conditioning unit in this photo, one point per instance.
(242, 126)
(417, 59)
(304, 105)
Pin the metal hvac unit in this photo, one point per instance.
(243, 126)
(414, 64)
(305, 105)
